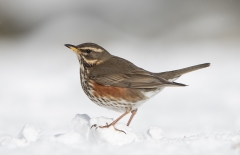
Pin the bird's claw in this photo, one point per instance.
(95, 126)
(106, 126)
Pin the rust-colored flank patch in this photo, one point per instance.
(117, 93)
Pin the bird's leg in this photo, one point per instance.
(114, 122)
(133, 114)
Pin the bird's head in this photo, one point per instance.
(92, 54)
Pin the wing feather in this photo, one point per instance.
(119, 72)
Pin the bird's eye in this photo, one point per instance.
(88, 50)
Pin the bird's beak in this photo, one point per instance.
(72, 47)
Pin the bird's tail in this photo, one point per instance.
(177, 73)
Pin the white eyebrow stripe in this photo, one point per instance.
(89, 61)
(93, 49)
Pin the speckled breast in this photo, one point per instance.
(113, 98)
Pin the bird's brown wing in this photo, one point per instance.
(119, 72)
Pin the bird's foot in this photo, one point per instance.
(95, 126)
(107, 126)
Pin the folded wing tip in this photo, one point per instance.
(179, 84)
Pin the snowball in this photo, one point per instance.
(29, 133)
(5, 140)
(112, 136)
(98, 135)
(82, 124)
(155, 133)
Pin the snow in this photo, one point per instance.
(27, 135)
(86, 140)
(107, 135)
(155, 133)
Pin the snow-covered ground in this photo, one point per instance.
(43, 109)
(85, 140)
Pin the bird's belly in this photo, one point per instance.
(115, 98)
(118, 106)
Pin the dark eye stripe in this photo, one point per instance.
(88, 50)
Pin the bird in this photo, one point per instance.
(119, 85)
